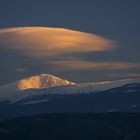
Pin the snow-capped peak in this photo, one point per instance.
(42, 81)
(35, 82)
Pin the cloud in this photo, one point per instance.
(124, 75)
(21, 69)
(31, 50)
(44, 42)
(72, 65)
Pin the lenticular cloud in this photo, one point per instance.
(43, 42)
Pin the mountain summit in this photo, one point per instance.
(35, 82)
(42, 81)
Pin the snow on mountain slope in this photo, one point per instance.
(35, 88)
(39, 101)
(113, 96)
(34, 82)
(100, 86)
(90, 87)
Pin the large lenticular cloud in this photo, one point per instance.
(26, 51)
(45, 42)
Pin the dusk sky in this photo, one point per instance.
(110, 51)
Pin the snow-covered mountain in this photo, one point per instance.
(35, 82)
(39, 101)
(45, 93)
(48, 84)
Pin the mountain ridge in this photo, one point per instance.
(45, 84)
(40, 101)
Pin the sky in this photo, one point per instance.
(113, 21)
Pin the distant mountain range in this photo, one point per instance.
(49, 94)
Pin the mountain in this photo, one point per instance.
(34, 82)
(113, 96)
(47, 84)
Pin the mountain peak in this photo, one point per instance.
(42, 81)
(34, 82)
